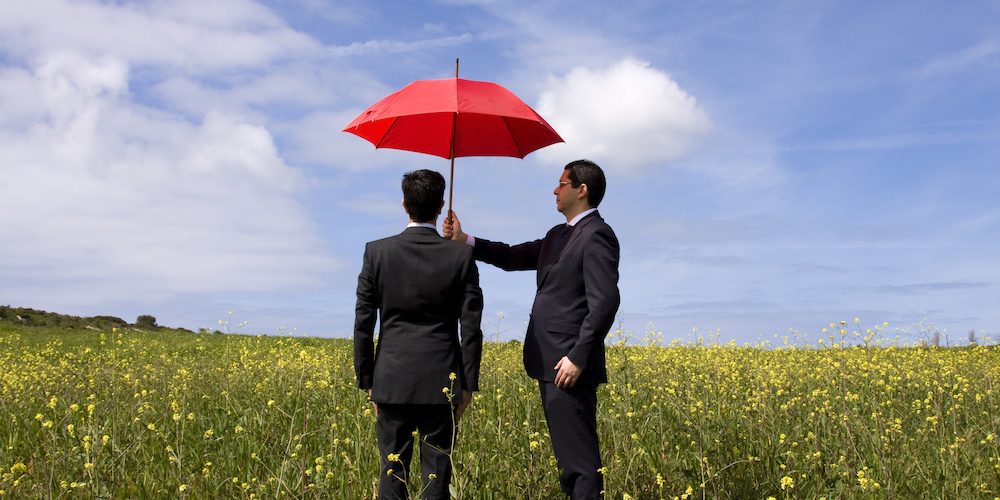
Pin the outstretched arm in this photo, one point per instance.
(523, 257)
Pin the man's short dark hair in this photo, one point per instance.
(589, 173)
(423, 193)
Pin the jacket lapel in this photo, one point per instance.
(577, 230)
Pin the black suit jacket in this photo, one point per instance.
(576, 300)
(420, 286)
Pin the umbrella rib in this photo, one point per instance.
(385, 134)
(388, 100)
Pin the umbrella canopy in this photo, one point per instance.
(453, 118)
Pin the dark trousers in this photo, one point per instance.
(572, 418)
(395, 426)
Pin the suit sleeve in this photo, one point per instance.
(523, 257)
(472, 333)
(600, 278)
(365, 313)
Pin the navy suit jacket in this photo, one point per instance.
(421, 287)
(576, 300)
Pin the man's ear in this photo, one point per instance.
(441, 207)
(582, 193)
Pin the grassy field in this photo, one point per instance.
(126, 413)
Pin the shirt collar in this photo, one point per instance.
(581, 215)
(428, 225)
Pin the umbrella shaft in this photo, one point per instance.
(451, 185)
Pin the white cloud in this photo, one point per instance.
(317, 139)
(630, 113)
(986, 53)
(280, 92)
(396, 46)
(116, 200)
(187, 34)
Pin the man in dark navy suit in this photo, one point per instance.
(575, 305)
(421, 375)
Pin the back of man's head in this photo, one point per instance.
(423, 194)
(589, 173)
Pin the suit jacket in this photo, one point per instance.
(420, 286)
(576, 300)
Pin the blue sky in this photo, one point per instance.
(773, 166)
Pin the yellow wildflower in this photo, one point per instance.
(787, 483)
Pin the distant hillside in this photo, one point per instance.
(23, 316)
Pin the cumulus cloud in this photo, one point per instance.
(187, 35)
(630, 112)
(142, 140)
(110, 199)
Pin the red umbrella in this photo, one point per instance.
(452, 118)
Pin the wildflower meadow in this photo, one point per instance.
(127, 413)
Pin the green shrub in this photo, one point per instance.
(145, 321)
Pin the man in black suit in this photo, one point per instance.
(421, 376)
(575, 305)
